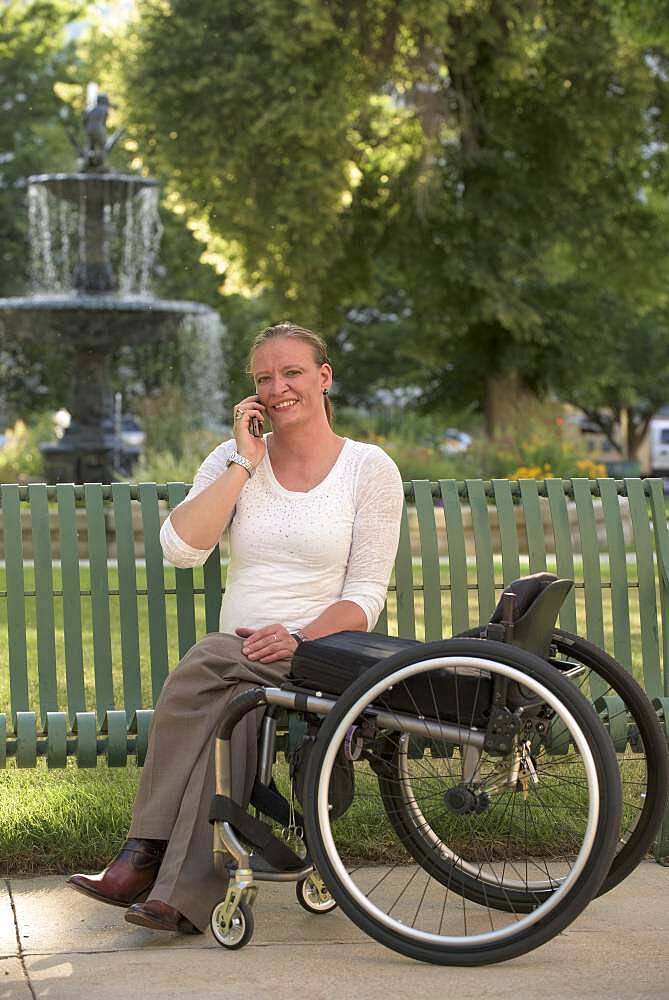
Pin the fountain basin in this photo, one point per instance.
(96, 319)
(106, 187)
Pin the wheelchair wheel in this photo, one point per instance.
(313, 896)
(240, 930)
(517, 824)
(640, 744)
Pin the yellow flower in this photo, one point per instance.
(589, 469)
(531, 472)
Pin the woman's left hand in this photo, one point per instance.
(272, 642)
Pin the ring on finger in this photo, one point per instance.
(275, 637)
(239, 413)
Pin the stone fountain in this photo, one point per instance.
(94, 239)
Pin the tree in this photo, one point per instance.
(454, 156)
(609, 360)
(33, 58)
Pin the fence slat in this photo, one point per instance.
(71, 583)
(429, 556)
(184, 585)
(155, 586)
(44, 614)
(661, 533)
(127, 585)
(406, 610)
(506, 518)
(564, 557)
(16, 610)
(650, 646)
(615, 545)
(536, 546)
(212, 590)
(97, 552)
(592, 577)
(457, 555)
(485, 570)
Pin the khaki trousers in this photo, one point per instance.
(177, 782)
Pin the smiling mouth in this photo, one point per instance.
(286, 405)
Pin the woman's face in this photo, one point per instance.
(289, 382)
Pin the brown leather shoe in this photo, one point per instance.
(159, 916)
(128, 878)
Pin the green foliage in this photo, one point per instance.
(446, 189)
(409, 178)
(20, 457)
(539, 447)
(420, 461)
(162, 465)
(34, 57)
(540, 444)
(609, 358)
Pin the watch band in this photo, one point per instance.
(237, 459)
(299, 635)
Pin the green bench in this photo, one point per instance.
(91, 619)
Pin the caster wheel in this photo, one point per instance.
(240, 931)
(313, 896)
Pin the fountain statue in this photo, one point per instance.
(94, 239)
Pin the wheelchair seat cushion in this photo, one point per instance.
(332, 663)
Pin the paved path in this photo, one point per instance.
(56, 944)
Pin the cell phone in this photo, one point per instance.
(256, 429)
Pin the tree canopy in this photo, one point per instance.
(435, 164)
(451, 190)
(33, 57)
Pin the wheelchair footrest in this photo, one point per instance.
(261, 866)
(257, 833)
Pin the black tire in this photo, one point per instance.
(643, 762)
(312, 901)
(240, 934)
(586, 860)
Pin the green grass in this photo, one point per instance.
(72, 819)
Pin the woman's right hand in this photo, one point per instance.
(249, 446)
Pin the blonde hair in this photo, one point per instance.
(287, 329)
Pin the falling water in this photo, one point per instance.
(205, 385)
(43, 269)
(58, 237)
(128, 259)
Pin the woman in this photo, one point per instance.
(313, 520)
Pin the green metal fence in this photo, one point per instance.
(89, 628)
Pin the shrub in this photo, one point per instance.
(167, 422)
(538, 450)
(164, 466)
(20, 457)
(418, 462)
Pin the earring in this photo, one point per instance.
(325, 392)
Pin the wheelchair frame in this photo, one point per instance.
(518, 651)
(547, 895)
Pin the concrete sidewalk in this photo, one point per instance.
(56, 944)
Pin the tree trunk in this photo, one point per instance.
(636, 430)
(507, 403)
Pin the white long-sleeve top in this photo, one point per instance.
(293, 554)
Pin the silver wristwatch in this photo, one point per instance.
(298, 635)
(237, 459)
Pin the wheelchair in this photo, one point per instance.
(496, 782)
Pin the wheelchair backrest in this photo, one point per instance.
(527, 611)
